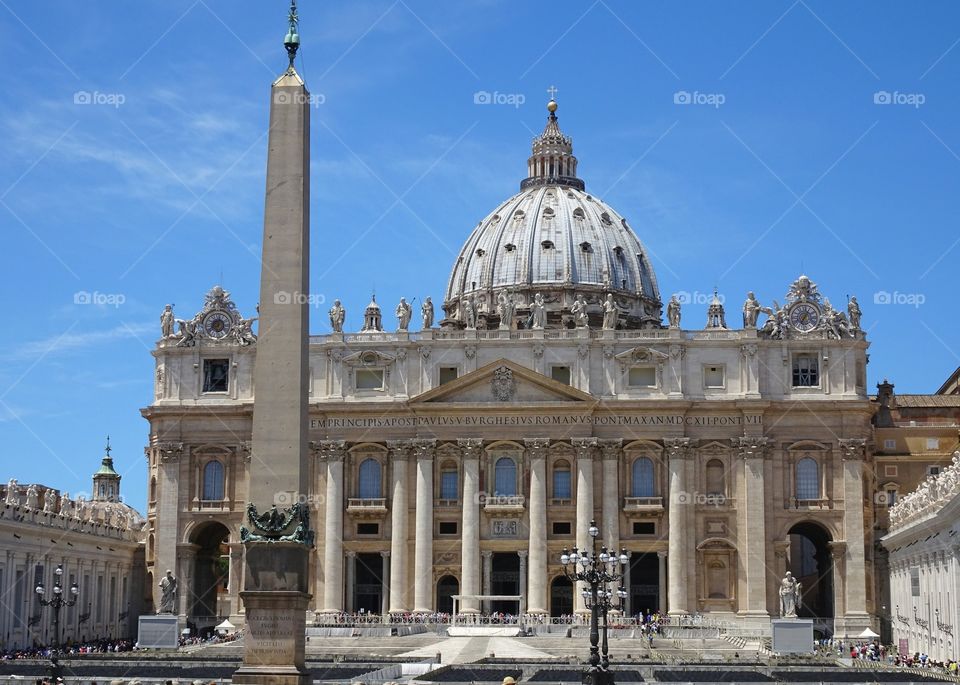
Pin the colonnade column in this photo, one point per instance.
(536, 582)
(333, 452)
(523, 582)
(487, 580)
(662, 582)
(351, 580)
(385, 567)
(610, 506)
(678, 450)
(470, 535)
(423, 537)
(752, 526)
(399, 509)
(854, 453)
(585, 448)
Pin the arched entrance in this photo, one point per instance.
(561, 597)
(447, 587)
(211, 572)
(812, 564)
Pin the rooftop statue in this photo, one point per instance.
(337, 316)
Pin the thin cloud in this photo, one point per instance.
(71, 342)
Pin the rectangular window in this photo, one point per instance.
(915, 581)
(368, 529)
(369, 379)
(561, 528)
(561, 484)
(447, 528)
(890, 444)
(216, 375)
(644, 528)
(933, 470)
(891, 497)
(933, 443)
(713, 376)
(448, 373)
(806, 371)
(642, 377)
(561, 374)
(448, 485)
(890, 470)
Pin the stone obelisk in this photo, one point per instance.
(277, 536)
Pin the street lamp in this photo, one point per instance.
(57, 602)
(597, 570)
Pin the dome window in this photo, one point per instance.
(623, 222)
(509, 247)
(578, 214)
(480, 252)
(605, 218)
(495, 219)
(571, 195)
(589, 198)
(586, 247)
(548, 213)
(618, 251)
(547, 245)
(518, 215)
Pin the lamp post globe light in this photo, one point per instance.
(597, 570)
(57, 602)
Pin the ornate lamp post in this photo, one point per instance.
(597, 570)
(57, 602)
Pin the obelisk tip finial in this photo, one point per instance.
(292, 40)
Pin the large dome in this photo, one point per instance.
(555, 239)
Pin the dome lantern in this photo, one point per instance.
(551, 161)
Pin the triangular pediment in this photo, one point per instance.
(502, 383)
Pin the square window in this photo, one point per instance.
(890, 444)
(713, 376)
(642, 377)
(369, 379)
(447, 528)
(933, 470)
(368, 529)
(644, 528)
(561, 374)
(806, 371)
(561, 528)
(933, 443)
(890, 470)
(216, 375)
(448, 373)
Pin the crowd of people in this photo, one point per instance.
(874, 651)
(69, 649)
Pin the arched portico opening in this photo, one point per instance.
(447, 587)
(211, 572)
(811, 563)
(561, 597)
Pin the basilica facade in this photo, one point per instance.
(456, 453)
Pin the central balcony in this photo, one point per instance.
(504, 505)
(642, 506)
(367, 507)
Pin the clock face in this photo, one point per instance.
(217, 325)
(804, 317)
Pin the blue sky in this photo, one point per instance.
(818, 136)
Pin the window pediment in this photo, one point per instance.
(369, 358)
(641, 355)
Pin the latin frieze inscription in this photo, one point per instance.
(335, 423)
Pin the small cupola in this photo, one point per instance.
(106, 481)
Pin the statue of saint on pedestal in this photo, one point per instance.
(404, 313)
(337, 316)
(751, 311)
(469, 312)
(166, 322)
(789, 596)
(673, 312)
(538, 313)
(579, 311)
(168, 593)
(426, 310)
(611, 313)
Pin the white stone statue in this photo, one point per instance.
(404, 314)
(50, 501)
(673, 312)
(579, 311)
(426, 310)
(468, 312)
(66, 504)
(854, 313)
(33, 497)
(789, 596)
(168, 593)
(538, 313)
(243, 331)
(611, 313)
(83, 508)
(751, 311)
(13, 493)
(506, 307)
(337, 316)
(187, 333)
(166, 322)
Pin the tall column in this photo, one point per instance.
(610, 506)
(680, 566)
(751, 525)
(351, 581)
(470, 535)
(399, 509)
(333, 452)
(662, 582)
(385, 593)
(423, 543)
(487, 583)
(585, 448)
(523, 582)
(236, 577)
(536, 583)
(854, 454)
(166, 455)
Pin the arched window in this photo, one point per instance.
(561, 480)
(715, 478)
(370, 479)
(808, 479)
(642, 484)
(213, 481)
(153, 489)
(505, 477)
(449, 485)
